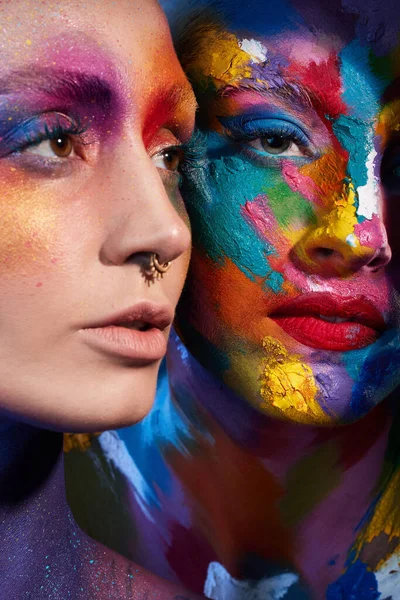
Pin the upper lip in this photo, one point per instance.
(155, 315)
(356, 309)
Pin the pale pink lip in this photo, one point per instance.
(113, 335)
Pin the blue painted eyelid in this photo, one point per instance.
(247, 126)
(37, 129)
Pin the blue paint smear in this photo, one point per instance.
(361, 88)
(377, 23)
(354, 136)
(361, 91)
(357, 583)
(378, 374)
(260, 17)
(161, 426)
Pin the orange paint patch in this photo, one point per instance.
(28, 226)
(221, 504)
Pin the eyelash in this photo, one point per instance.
(194, 151)
(37, 130)
(241, 130)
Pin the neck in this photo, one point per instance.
(194, 389)
(35, 521)
(314, 484)
(44, 554)
(30, 464)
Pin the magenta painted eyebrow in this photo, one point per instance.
(66, 86)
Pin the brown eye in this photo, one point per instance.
(169, 159)
(62, 146)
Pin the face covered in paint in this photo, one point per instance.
(294, 170)
(93, 105)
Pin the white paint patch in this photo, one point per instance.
(255, 49)
(368, 195)
(351, 240)
(118, 458)
(222, 586)
(388, 578)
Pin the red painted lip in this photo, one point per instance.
(301, 319)
(138, 333)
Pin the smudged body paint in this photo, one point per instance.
(280, 194)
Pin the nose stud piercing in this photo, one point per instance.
(156, 270)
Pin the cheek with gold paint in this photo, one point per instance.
(30, 219)
(288, 384)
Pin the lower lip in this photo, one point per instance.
(317, 333)
(147, 346)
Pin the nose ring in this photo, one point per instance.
(156, 269)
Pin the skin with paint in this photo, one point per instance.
(272, 460)
(93, 111)
(292, 192)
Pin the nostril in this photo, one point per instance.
(322, 253)
(375, 262)
(325, 251)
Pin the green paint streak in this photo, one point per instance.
(288, 206)
(382, 68)
(309, 481)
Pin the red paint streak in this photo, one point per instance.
(168, 109)
(221, 503)
(323, 83)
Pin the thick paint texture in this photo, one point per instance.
(268, 467)
(309, 232)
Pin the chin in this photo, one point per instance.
(82, 402)
(115, 407)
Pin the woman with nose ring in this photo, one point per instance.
(94, 246)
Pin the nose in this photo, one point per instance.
(146, 212)
(339, 245)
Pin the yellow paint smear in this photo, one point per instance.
(289, 385)
(78, 441)
(221, 58)
(337, 226)
(386, 518)
(343, 218)
(389, 121)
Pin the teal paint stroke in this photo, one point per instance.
(361, 88)
(215, 192)
(355, 136)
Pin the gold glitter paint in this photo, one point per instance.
(289, 385)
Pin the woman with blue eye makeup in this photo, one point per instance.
(271, 468)
(94, 246)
